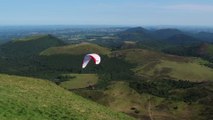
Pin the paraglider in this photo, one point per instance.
(95, 57)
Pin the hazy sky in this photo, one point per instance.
(106, 12)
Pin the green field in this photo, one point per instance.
(79, 81)
(76, 49)
(23, 98)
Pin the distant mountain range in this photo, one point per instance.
(167, 40)
(140, 34)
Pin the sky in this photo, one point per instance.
(106, 12)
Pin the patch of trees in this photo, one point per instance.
(181, 51)
(115, 69)
(112, 69)
(163, 88)
(50, 67)
(188, 51)
(63, 78)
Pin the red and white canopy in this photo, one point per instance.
(95, 57)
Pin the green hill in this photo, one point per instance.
(205, 36)
(135, 34)
(204, 50)
(76, 49)
(121, 97)
(182, 40)
(166, 33)
(159, 39)
(156, 65)
(191, 71)
(68, 59)
(28, 98)
(29, 46)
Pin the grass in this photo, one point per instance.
(180, 71)
(120, 97)
(155, 65)
(76, 49)
(80, 81)
(123, 98)
(142, 56)
(35, 99)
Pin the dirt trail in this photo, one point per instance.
(149, 109)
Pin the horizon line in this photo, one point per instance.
(116, 25)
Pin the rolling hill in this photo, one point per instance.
(204, 50)
(156, 40)
(182, 39)
(144, 83)
(166, 33)
(135, 34)
(29, 46)
(69, 58)
(205, 36)
(156, 65)
(29, 98)
(77, 49)
(121, 97)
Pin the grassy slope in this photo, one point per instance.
(120, 97)
(77, 49)
(181, 71)
(143, 56)
(154, 64)
(29, 98)
(80, 81)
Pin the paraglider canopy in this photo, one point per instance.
(95, 57)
